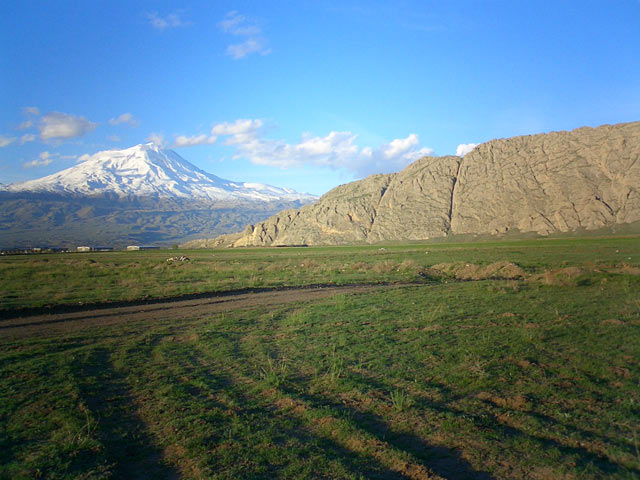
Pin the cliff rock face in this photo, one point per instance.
(556, 182)
(417, 203)
(344, 215)
(561, 181)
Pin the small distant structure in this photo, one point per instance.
(141, 247)
(85, 248)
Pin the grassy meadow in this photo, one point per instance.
(34, 281)
(483, 361)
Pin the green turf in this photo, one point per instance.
(487, 379)
(54, 279)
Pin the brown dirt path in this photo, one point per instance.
(158, 311)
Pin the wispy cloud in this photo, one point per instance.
(28, 112)
(157, 138)
(246, 48)
(62, 125)
(185, 141)
(125, 118)
(337, 150)
(6, 141)
(465, 148)
(31, 111)
(27, 137)
(240, 131)
(391, 157)
(239, 25)
(172, 20)
(45, 158)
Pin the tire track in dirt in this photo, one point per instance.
(159, 311)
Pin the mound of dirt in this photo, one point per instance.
(470, 271)
(560, 276)
(626, 269)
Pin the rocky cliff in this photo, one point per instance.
(557, 182)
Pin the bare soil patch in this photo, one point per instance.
(46, 324)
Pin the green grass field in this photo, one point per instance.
(531, 377)
(69, 279)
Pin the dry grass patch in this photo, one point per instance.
(559, 277)
(361, 266)
(470, 271)
(384, 267)
(626, 269)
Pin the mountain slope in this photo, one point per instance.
(585, 179)
(150, 171)
(143, 194)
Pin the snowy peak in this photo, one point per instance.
(149, 170)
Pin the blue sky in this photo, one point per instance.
(305, 94)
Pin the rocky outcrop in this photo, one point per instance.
(417, 204)
(557, 182)
(344, 215)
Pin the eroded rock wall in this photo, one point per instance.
(562, 181)
(344, 215)
(416, 206)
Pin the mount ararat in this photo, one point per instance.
(143, 194)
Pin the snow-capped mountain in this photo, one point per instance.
(150, 171)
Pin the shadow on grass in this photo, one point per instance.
(294, 450)
(443, 461)
(128, 447)
(584, 459)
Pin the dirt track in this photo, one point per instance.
(50, 323)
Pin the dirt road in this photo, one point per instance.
(173, 309)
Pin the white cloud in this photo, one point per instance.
(240, 131)
(125, 118)
(184, 141)
(28, 112)
(239, 25)
(399, 146)
(156, 138)
(6, 141)
(27, 137)
(45, 158)
(62, 125)
(337, 150)
(172, 20)
(465, 148)
(113, 138)
(83, 158)
(31, 111)
(249, 46)
(391, 157)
